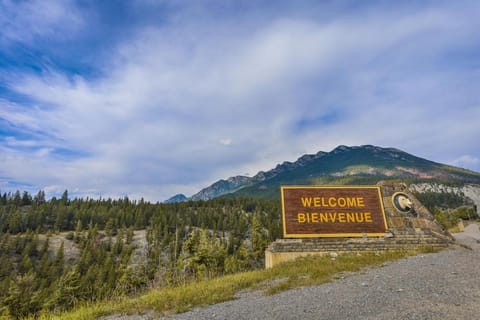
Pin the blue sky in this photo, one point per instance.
(152, 98)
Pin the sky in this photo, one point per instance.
(147, 98)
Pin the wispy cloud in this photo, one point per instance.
(466, 161)
(269, 83)
(29, 21)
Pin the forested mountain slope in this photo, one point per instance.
(355, 165)
(58, 253)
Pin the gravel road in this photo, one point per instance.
(444, 285)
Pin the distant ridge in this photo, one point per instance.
(222, 187)
(177, 198)
(358, 165)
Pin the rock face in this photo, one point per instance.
(287, 166)
(469, 191)
(410, 226)
(222, 187)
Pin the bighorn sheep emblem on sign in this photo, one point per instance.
(402, 202)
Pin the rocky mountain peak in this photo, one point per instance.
(340, 149)
(221, 187)
(344, 164)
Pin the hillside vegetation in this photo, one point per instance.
(183, 243)
(303, 272)
(61, 254)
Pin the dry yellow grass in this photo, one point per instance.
(302, 272)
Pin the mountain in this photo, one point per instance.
(177, 198)
(356, 165)
(222, 187)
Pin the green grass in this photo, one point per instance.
(302, 272)
(454, 229)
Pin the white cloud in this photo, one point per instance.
(466, 161)
(26, 21)
(225, 142)
(173, 96)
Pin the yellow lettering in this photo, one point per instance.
(324, 204)
(359, 217)
(341, 202)
(368, 217)
(306, 202)
(332, 216)
(316, 202)
(360, 202)
(332, 202)
(351, 202)
(350, 217)
(301, 218)
(323, 217)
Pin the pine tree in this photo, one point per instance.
(14, 222)
(238, 262)
(203, 256)
(64, 198)
(130, 235)
(3, 199)
(19, 301)
(39, 198)
(259, 241)
(59, 262)
(26, 199)
(130, 281)
(110, 227)
(17, 199)
(25, 266)
(67, 291)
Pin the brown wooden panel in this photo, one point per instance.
(348, 211)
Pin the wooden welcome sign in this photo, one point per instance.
(344, 211)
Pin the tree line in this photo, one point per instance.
(124, 246)
(182, 242)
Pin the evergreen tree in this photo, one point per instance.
(64, 198)
(59, 262)
(3, 199)
(20, 299)
(17, 199)
(25, 266)
(39, 198)
(203, 256)
(26, 199)
(110, 228)
(130, 281)
(259, 242)
(67, 291)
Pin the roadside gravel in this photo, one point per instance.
(444, 285)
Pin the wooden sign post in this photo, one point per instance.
(310, 212)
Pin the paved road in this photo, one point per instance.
(444, 285)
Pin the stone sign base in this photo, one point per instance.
(410, 227)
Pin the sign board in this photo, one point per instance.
(343, 211)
